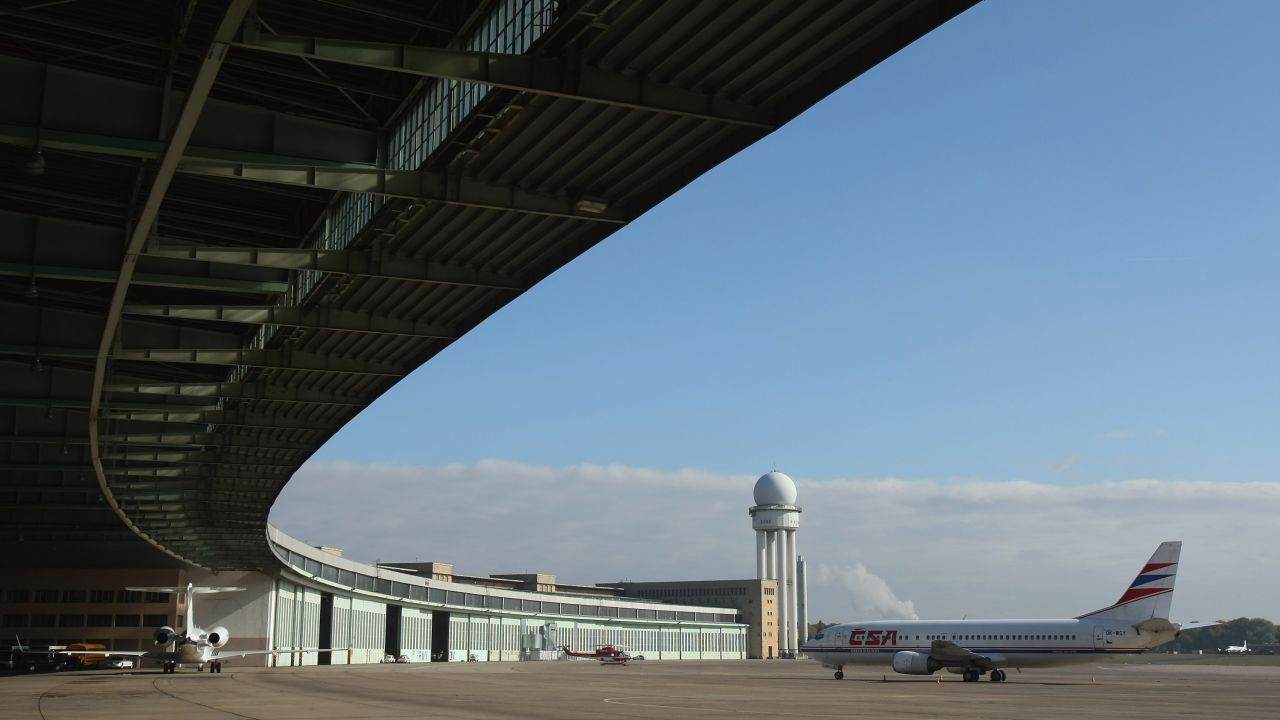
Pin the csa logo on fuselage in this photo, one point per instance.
(861, 637)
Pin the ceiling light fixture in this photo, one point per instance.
(595, 206)
(35, 165)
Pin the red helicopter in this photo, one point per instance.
(606, 654)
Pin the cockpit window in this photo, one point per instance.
(819, 635)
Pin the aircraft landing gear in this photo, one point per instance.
(839, 674)
(997, 676)
(215, 667)
(200, 668)
(970, 676)
(170, 667)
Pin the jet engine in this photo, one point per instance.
(914, 663)
(218, 636)
(165, 635)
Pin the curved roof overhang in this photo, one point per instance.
(216, 255)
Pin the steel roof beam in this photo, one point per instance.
(316, 318)
(359, 263)
(238, 391)
(278, 359)
(51, 489)
(45, 467)
(409, 184)
(51, 93)
(207, 472)
(194, 282)
(194, 457)
(557, 77)
(201, 439)
(70, 404)
(312, 172)
(62, 23)
(179, 136)
(149, 149)
(223, 417)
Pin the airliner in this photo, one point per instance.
(194, 646)
(1139, 620)
(1238, 649)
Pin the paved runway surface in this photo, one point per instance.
(705, 690)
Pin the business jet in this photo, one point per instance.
(195, 646)
(1238, 649)
(1138, 621)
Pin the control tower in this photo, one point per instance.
(775, 518)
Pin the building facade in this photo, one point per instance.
(319, 599)
(757, 602)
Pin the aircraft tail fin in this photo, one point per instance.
(1150, 595)
(190, 590)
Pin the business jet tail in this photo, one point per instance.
(1150, 595)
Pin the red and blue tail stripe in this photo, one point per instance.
(1154, 580)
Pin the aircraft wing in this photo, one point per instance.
(284, 651)
(242, 653)
(128, 653)
(1195, 624)
(950, 653)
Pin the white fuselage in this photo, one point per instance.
(189, 651)
(1008, 643)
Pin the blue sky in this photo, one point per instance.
(1038, 244)
(1009, 299)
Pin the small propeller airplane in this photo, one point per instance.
(606, 654)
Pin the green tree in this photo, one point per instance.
(1257, 631)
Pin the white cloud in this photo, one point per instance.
(868, 596)
(982, 549)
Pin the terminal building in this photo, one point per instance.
(426, 611)
(319, 599)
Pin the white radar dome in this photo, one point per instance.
(775, 488)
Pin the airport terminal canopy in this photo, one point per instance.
(230, 225)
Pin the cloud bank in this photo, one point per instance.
(877, 547)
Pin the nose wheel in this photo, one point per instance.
(839, 674)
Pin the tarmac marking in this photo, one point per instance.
(156, 684)
(775, 713)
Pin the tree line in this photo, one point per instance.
(1232, 632)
